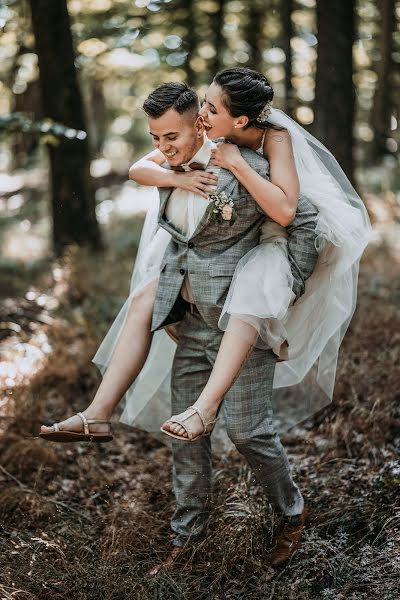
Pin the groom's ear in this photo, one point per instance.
(199, 125)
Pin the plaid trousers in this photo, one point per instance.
(249, 421)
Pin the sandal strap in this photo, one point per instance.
(180, 421)
(204, 422)
(86, 429)
(86, 422)
(203, 419)
(192, 410)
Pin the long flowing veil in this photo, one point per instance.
(318, 321)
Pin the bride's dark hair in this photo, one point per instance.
(245, 92)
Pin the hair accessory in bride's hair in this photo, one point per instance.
(264, 114)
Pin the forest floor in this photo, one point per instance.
(87, 522)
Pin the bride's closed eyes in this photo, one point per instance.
(206, 105)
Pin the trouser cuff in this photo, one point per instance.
(182, 541)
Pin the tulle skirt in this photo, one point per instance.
(150, 263)
(261, 291)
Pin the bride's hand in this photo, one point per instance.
(225, 155)
(198, 182)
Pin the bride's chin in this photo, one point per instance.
(211, 134)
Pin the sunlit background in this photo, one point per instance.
(124, 49)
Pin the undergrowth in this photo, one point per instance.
(86, 522)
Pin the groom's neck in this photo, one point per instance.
(198, 144)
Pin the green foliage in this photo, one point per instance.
(48, 131)
(124, 49)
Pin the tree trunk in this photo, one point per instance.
(73, 206)
(334, 91)
(191, 40)
(25, 144)
(96, 119)
(254, 33)
(383, 103)
(287, 34)
(217, 24)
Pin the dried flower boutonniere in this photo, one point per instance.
(221, 208)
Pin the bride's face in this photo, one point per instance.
(216, 118)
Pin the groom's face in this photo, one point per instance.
(177, 136)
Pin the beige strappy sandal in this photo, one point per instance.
(59, 435)
(189, 412)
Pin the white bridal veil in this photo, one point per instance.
(315, 324)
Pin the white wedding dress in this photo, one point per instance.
(261, 295)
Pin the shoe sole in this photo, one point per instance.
(71, 436)
(183, 439)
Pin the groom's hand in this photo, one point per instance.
(198, 182)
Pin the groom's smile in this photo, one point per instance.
(177, 136)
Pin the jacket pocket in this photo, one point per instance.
(220, 270)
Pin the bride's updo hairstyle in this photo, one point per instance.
(245, 92)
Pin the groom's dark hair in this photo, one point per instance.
(176, 95)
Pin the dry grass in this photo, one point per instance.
(88, 522)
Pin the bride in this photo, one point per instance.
(238, 108)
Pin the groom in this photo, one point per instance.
(196, 273)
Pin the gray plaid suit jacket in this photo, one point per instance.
(211, 254)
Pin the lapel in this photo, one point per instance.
(226, 183)
(165, 194)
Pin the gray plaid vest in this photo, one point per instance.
(211, 254)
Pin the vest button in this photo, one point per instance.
(182, 271)
(190, 245)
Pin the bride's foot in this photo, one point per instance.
(76, 425)
(190, 424)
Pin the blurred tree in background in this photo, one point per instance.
(384, 106)
(287, 34)
(334, 91)
(73, 206)
(333, 66)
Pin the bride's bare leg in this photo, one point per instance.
(236, 346)
(127, 360)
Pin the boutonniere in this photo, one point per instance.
(221, 208)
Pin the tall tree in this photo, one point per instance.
(73, 206)
(191, 39)
(217, 25)
(287, 34)
(97, 118)
(257, 13)
(334, 91)
(383, 102)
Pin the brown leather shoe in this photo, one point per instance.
(165, 564)
(287, 539)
